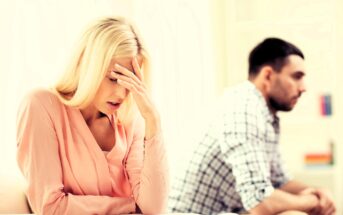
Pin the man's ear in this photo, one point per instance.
(266, 73)
(266, 77)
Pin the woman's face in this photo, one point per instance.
(110, 94)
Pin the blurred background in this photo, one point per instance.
(198, 48)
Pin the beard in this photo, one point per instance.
(278, 105)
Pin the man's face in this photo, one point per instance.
(287, 85)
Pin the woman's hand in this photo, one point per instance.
(133, 81)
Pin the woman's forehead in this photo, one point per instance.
(125, 62)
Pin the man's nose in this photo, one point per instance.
(302, 87)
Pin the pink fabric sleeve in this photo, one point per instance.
(39, 161)
(148, 172)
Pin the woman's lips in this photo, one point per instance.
(113, 105)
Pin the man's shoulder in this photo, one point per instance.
(240, 97)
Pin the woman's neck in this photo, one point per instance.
(90, 114)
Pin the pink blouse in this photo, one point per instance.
(68, 173)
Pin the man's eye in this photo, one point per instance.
(297, 76)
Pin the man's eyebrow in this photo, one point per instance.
(300, 73)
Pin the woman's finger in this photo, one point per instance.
(137, 68)
(119, 76)
(126, 72)
(128, 86)
(131, 85)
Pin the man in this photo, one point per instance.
(237, 165)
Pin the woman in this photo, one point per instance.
(93, 143)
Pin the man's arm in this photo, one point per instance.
(293, 187)
(326, 203)
(280, 201)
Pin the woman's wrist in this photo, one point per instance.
(152, 126)
(152, 115)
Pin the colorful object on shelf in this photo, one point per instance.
(332, 151)
(325, 105)
(318, 159)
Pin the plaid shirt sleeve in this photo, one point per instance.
(279, 175)
(243, 147)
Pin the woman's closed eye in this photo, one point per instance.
(114, 80)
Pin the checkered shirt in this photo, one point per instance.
(237, 163)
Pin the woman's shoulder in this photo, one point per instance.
(40, 93)
(42, 97)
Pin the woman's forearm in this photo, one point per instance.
(152, 126)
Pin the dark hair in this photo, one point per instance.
(272, 52)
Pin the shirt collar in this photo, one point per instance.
(272, 118)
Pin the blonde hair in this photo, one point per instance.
(102, 41)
